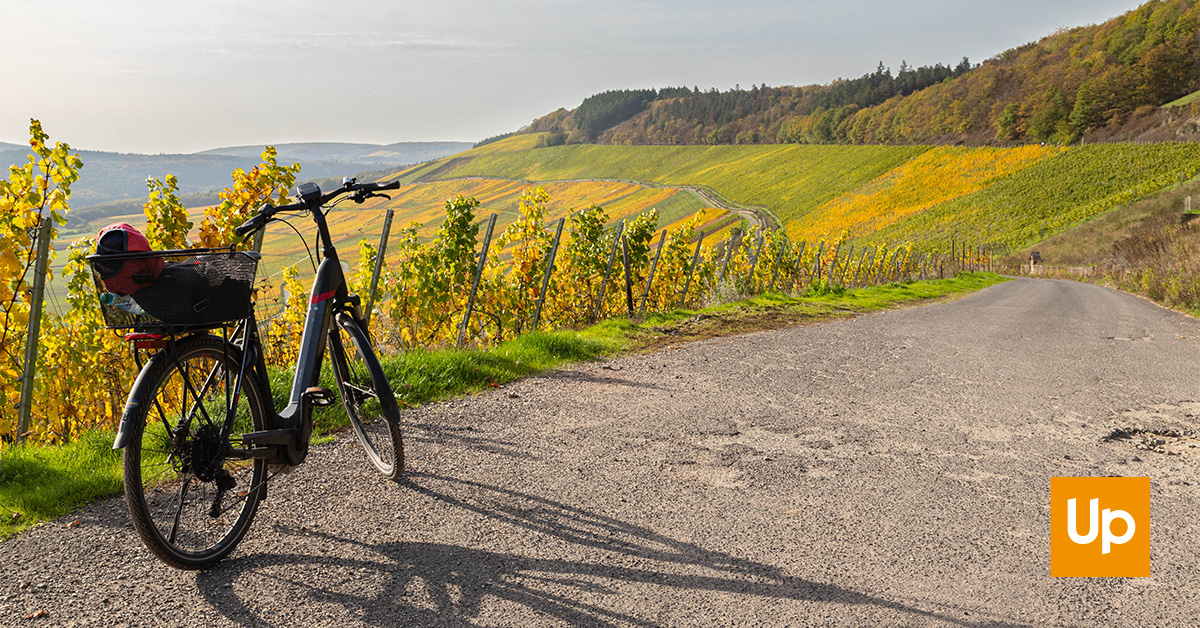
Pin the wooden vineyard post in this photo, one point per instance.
(35, 326)
(846, 266)
(778, 258)
(628, 279)
(762, 241)
(796, 267)
(612, 255)
(833, 264)
(466, 320)
(733, 243)
(653, 266)
(816, 271)
(383, 241)
(858, 269)
(537, 313)
(695, 260)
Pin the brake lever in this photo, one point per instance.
(363, 195)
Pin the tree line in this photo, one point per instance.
(1059, 89)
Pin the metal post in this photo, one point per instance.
(383, 239)
(778, 258)
(537, 313)
(258, 240)
(35, 326)
(653, 265)
(695, 260)
(628, 280)
(487, 240)
(612, 255)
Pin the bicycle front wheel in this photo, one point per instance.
(367, 396)
(190, 495)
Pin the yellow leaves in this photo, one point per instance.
(933, 177)
(265, 182)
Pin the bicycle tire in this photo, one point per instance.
(172, 484)
(367, 396)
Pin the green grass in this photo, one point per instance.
(788, 180)
(42, 483)
(1179, 102)
(1092, 242)
(1052, 195)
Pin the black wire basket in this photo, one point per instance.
(174, 290)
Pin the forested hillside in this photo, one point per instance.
(1096, 82)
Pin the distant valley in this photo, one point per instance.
(115, 183)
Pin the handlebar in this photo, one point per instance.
(311, 198)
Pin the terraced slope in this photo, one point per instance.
(1051, 195)
(930, 179)
(786, 181)
(1005, 197)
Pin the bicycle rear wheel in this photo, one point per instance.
(192, 498)
(367, 396)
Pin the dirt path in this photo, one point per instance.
(890, 469)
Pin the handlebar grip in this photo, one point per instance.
(248, 227)
(394, 185)
(256, 221)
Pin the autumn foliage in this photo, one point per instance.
(548, 275)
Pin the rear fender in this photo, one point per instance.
(125, 430)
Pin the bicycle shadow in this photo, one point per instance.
(461, 436)
(418, 583)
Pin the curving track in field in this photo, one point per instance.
(756, 216)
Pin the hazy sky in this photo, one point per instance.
(168, 76)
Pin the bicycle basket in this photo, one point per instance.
(196, 288)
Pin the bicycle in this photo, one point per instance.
(200, 432)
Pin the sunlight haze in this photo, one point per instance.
(182, 77)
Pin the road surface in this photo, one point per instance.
(890, 469)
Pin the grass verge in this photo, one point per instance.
(42, 483)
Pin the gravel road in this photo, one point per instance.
(890, 469)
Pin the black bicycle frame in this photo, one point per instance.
(328, 297)
(286, 440)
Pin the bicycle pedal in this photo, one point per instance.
(319, 396)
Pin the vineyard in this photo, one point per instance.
(553, 263)
(579, 233)
(788, 181)
(1051, 195)
(930, 179)
(1006, 197)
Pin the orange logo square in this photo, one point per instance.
(1099, 527)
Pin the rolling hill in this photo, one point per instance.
(1007, 198)
(1119, 80)
(108, 177)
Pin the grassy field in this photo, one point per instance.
(1004, 197)
(1052, 195)
(934, 177)
(788, 180)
